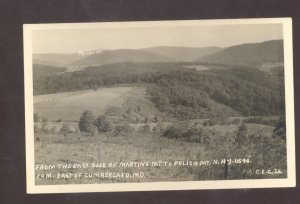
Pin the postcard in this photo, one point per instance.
(159, 105)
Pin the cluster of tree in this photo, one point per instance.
(250, 92)
(178, 99)
(221, 121)
(99, 76)
(89, 124)
(264, 152)
(182, 131)
(41, 73)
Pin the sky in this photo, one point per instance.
(74, 40)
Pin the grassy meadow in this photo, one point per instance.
(69, 106)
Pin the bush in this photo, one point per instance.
(146, 129)
(86, 122)
(103, 124)
(122, 130)
(235, 121)
(192, 135)
(280, 129)
(211, 122)
(93, 130)
(242, 136)
(203, 136)
(173, 132)
(65, 129)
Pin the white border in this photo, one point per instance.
(290, 181)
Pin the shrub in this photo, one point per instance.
(122, 130)
(211, 122)
(146, 129)
(280, 129)
(174, 132)
(192, 135)
(65, 129)
(103, 124)
(242, 136)
(86, 122)
(201, 135)
(235, 121)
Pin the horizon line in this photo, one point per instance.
(141, 48)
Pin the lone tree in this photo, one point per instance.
(280, 128)
(65, 130)
(242, 136)
(86, 122)
(103, 124)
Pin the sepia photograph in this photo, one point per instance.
(159, 105)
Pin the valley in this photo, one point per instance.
(150, 104)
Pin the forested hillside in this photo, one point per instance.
(250, 92)
(250, 54)
(94, 77)
(184, 93)
(41, 73)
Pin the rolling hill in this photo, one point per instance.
(250, 54)
(153, 54)
(54, 59)
(265, 55)
(183, 54)
(117, 56)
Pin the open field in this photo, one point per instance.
(70, 105)
(197, 67)
(54, 148)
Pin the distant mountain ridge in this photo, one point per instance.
(152, 54)
(183, 54)
(120, 55)
(249, 54)
(264, 54)
(55, 59)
